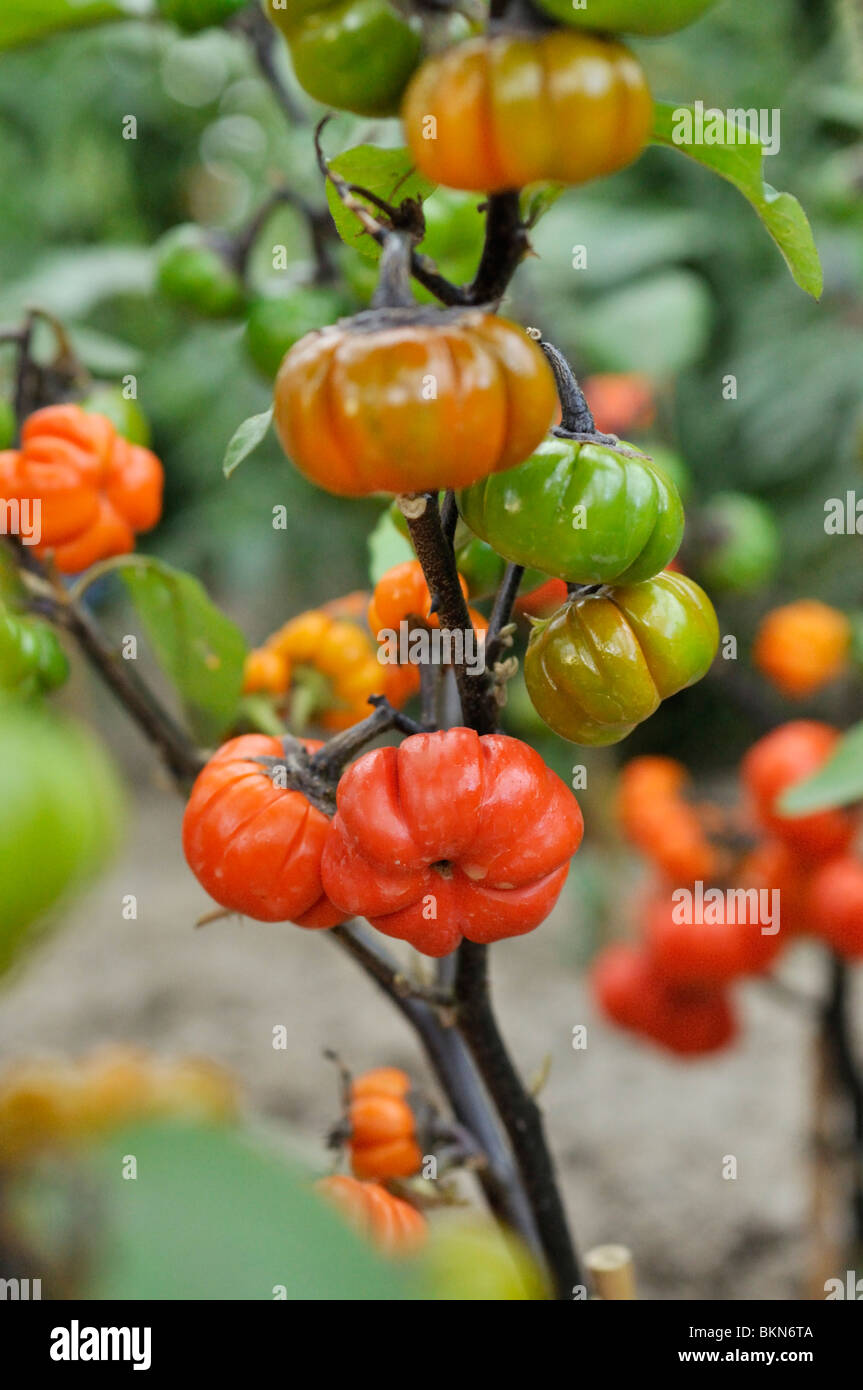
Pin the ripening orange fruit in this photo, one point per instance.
(802, 647)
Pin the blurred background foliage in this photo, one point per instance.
(681, 283)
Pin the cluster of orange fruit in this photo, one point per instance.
(380, 1132)
(323, 666)
(731, 889)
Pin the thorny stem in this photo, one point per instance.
(502, 611)
(519, 1112)
(506, 245)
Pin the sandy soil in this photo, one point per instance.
(640, 1140)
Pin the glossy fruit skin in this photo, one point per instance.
(402, 595)
(394, 1226)
(193, 15)
(802, 647)
(656, 817)
(191, 272)
(836, 905)
(353, 408)
(474, 829)
(382, 1141)
(605, 661)
(707, 953)
(273, 324)
(51, 1104)
(332, 644)
(778, 761)
(94, 488)
(255, 847)
(61, 814)
(741, 543)
(633, 516)
(649, 17)
(687, 1020)
(357, 56)
(501, 104)
(32, 662)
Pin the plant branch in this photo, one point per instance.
(838, 1037)
(520, 1114)
(456, 1071)
(181, 757)
(264, 41)
(506, 244)
(448, 601)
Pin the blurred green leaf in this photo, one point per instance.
(387, 547)
(838, 783)
(246, 439)
(208, 1216)
(70, 283)
(389, 174)
(658, 325)
(200, 650)
(21, 21)
(740, 162)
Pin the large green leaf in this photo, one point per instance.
(22, 21)
(200, 650)
(389, 174)
(739, 160)
(838, 783)
(208, 1216)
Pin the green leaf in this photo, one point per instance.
(22, 21)
(838, 783)
(537, 198)
(658, 325)
(387, 547)
(740, 161)
(200, 650)
(209, 1216)
(245, 440)
(389, 174)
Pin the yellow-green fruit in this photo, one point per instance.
(605, 660)
(479, 1263)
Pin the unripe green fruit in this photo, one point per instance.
(190, 271)
(125, 415)
(192, 15)
(273, 325)
(482, 1264)
(627, 16)
(357, 55)
(32, 661)
(739, 543)
(60, 813)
